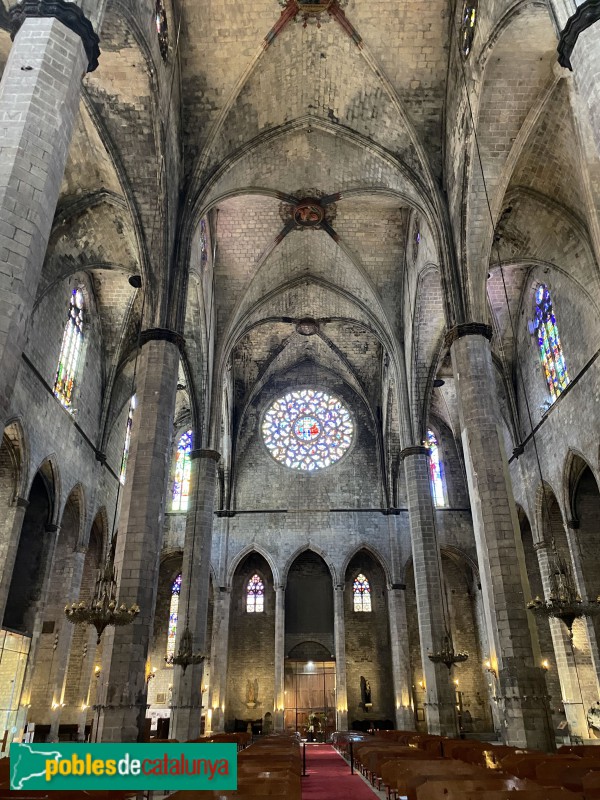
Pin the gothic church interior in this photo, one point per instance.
(299, 354)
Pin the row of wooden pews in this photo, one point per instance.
(271, 767)
(424, 767)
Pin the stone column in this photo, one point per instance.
(218, 659)
(39, 102)
(123, 690)
(511, 629)
(440, 702)
(195, 592)
(63, 648)
(339, 633)
(279, 687)
(405, 715)
(53, 532)
(13, 522)
(565, 662)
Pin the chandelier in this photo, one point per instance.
(185, 655)
(447, 655)
(564, 602)
(103, 609)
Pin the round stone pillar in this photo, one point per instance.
(511, 630)
(195, 593)
(440, 702)
(123, 688)
(279, 685)
(339, 632)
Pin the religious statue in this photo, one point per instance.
(251, 693)
(365, 692)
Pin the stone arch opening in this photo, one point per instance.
(368, 645)
(34, 546)
(250, 663)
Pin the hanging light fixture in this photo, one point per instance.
(103, 608)
(564, 602)
(185, 656)
(447, 655)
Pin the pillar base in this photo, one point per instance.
(525, 701)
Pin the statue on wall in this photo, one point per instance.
(251, 693)
(365, 692)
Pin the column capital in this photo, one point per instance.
(414, 450)
(468, 329)
(573, 524)
(68, 13)
(212, 454)
(21, 502)
(339, 587)
(51, 528)
(162, 335)
(279, 587)
(584, 17)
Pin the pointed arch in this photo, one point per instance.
(244, 553)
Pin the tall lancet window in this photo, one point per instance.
(255, 595)
(127, 441)
(70, 350)
(183, 468)
(551, 354)
(362, 593)
(173, 614)
(435, 470)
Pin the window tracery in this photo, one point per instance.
(70, 350)
(255, 595)
(307, 430)
(467, 26)
(125, 456)
(435, 469)
(162, 28)
(551, 354)
(173, 615)
(362, 594)
(183, 468)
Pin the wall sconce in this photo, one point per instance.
(488, 666)
(84, 707)
(456, 682)
(421, 684)
(54, 706)
(97, 671)
(545, 665)
(151, 675)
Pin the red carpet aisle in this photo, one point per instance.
(329, 777)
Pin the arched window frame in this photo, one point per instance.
(173, 618)
(545, 328)
(254, 597)
(436, 469)
(125, 456)
(468, 22)
(182, 466)
(162, 28)
(361, 594)
(70, 349)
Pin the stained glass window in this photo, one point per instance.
(362, 593)
(127, 441)
(183, 467)
(553, 360)
(467, 26)
(162, 28)
(255, 595)
(435, 470)
(173, 613)
(70, 350)
(203, 243)
(307, 430)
